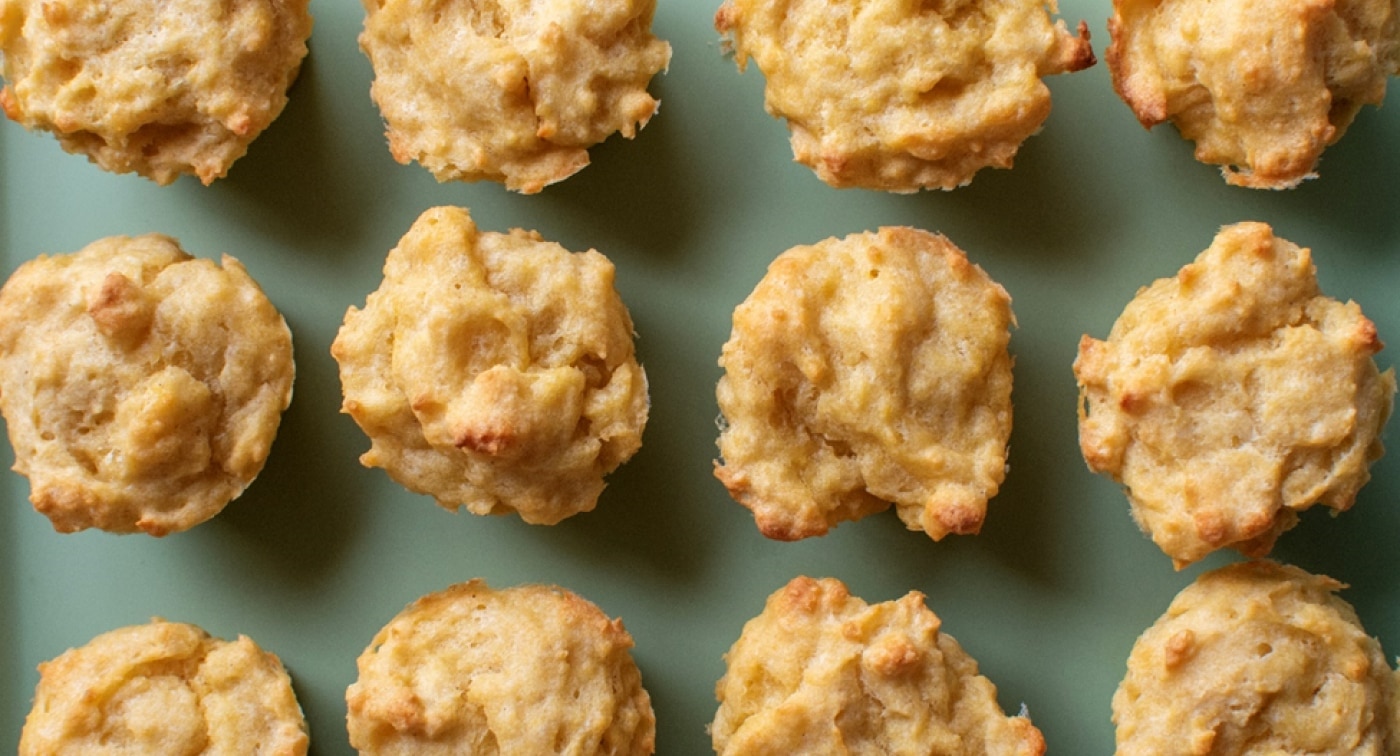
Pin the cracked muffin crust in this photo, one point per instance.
(901, 96)
(1261, 86)
(514, 91)
(494, 371)
(1232, 396)
(142, 388)
(164, 688)
(156, 87)
(864, 372)
(532, 669)
(821, 671)
(1257, 658)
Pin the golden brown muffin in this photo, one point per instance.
(494, 371)
(164, 688)
(530, 670)
(901, 96)
(514, 91)
(820, 671)
(862, 372)
(1232, 396)
(142, 388)
(1257, 659)
(156, 87)
(1261, 86)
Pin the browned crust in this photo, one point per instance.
(1076, 53)
(773, 527)
(1149, 110)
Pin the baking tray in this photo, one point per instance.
(320, 552)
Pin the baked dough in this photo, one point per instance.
(1261, 86)
(820, 671)
(156, 87)
(1254, 659)
(902, 96)
(510, 90)
(164, 688)
(862, 372)
(530, 670)
(494, 371)
(1232, 396)
(142, 388)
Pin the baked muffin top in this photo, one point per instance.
(157, 87)
(142, 388)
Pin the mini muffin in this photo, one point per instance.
(142, 388)
(821, 671)
(160, 88)
(1255, 659)
(164, 688)
(531, 669)
(901, 96)
(514, 91)
(1232, 396)
(862, 372)
(494, 371)
(1260, 86)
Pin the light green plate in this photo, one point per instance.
(320, 552)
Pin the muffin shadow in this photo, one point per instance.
(302, 516)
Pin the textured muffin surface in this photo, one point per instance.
(142, 388)
(862, 372)
(513, 91)
(530, 670)
(494, 371)
(900, 96)
(821, 671)
(1232, 396)
(1260, 86)
(157, 87)
(164, 688)
(1254, 659)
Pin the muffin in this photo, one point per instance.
(164, 688)
(1232, 396)
(1253, 659)
(1260, 86)
(156, 88)
(513, 91)
(821, 671)
(900, 96)
(494, 371)
(142, 388)
(864, 372)
(529, 669)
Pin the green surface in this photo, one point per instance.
(320, 552)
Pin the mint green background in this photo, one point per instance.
(320, 552)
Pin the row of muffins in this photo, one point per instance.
(891, 97)
(535, 669)
(1251, 658)
(142, 388)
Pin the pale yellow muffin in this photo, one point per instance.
(1232, 396)
(819, 671)
(862, 372)
(494, 371)
(902, 96)
(164, 688)
(142, 388)
(156, 87)
(1260, 86)
(527, 670)
(514, 91)
(1257, 659)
